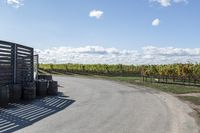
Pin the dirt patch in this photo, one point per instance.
(189, 94)
(193, 100)
(196, 116)
(196, 113)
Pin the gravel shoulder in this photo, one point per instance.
(103, 106)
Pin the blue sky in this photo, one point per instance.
(122, 24)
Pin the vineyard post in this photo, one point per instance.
(184, 80)
(189, 80)
(173, 78)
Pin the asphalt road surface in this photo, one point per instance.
(103, 106)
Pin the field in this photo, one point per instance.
(173, 73)
(164, 77)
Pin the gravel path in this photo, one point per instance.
(109, 107)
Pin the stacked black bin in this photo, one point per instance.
(29, 91)
(15, 92)
(45, 83)
(4, 95)
(41, 87)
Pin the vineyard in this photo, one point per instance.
(172, 73)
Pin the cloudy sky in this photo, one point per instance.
(102, 31)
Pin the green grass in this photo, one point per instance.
(192, 99)
(171, 88)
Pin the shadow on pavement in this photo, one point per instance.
(19, 115)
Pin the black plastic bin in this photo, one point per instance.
(4, 95)
(52, 88)
(15, 93)
(29, 91)
(41, 87)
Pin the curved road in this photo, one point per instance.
(109, 107)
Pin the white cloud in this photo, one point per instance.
(15, 3)
(156, 22)
(181, 1)
(96, 13)
(166, 3)
(98, 54)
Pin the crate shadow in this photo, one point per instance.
(19, 115)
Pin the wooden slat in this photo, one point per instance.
(23, 73)
(5, 47)
(5, 54)
(5, 74)
(23, 56)
(26, 74)
(6, 43)
(24, 50)
(24, 60)
(5, 82)
(5, 66)
(5, 58)
(27, 64)
(20, 77)
(6, 71)
(24, 69)
(1, 62)
(5, 51)
(22, 53)
(24, 66)
(23, 47)
(6, 78)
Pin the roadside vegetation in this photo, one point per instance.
(174, 78)
(184, 72)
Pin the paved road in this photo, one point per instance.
(108, 107)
